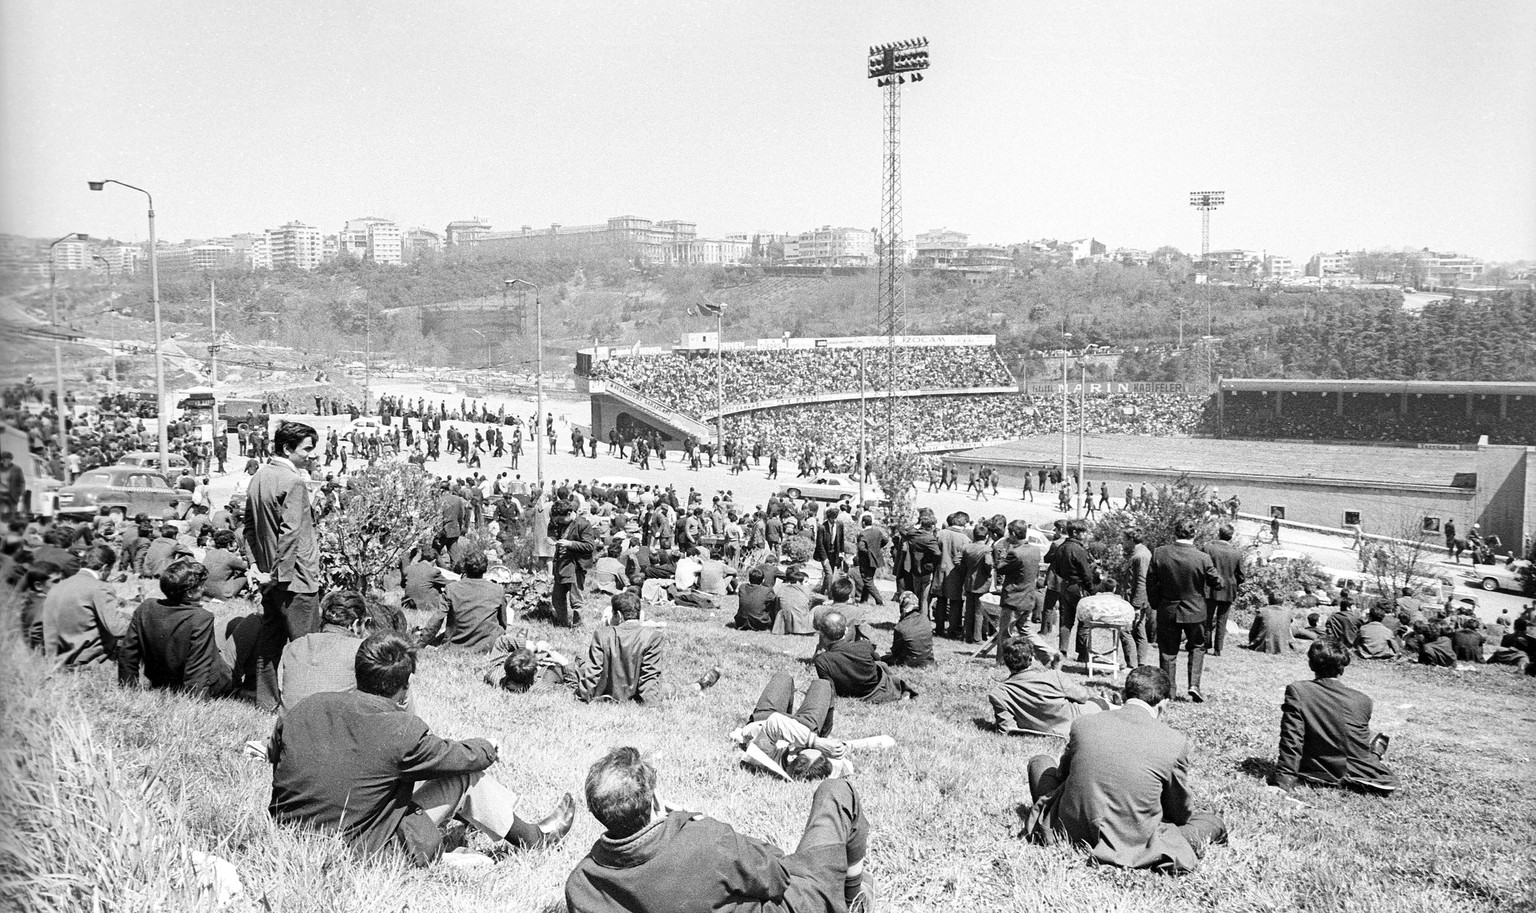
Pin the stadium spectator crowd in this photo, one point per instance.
(829, 429)
(687, 381)
(1430, 419)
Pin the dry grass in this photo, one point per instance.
(943, 804)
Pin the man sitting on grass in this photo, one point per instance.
(1120, 791)
(357, 763)
(1375, 640)
(80, 621)
(323, 660)
(1035, 700)
(1270, 631)
(757, 604)
(173, 638)
(797, 747)
(655, 859)
(853, 666)
(226, 569)
(473, 613)
(164, 550)
(912, 638)
(1325, 736)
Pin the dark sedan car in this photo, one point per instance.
(132, 488)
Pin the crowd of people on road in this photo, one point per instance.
(686, 381)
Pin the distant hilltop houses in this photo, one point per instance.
(675, 242)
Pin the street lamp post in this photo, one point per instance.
(154, 292)
(718, 312)
(58, 350)
(538, 329)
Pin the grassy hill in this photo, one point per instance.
(109, 790)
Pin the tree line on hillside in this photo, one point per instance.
(1154, 313)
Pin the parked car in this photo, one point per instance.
(1497, 576)
(151, 459)
(132, 488)
(366, 426)
(831, 488)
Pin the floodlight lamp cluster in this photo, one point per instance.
(888, 63)
(1207, 200)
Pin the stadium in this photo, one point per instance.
(1335, 453)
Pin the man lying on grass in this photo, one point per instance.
(1325, 730)
(623, 662)
(656, 859)
(1119, 790)
(360, 764)
(798, 747)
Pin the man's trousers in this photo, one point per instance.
(285, 616)
(1170, 634)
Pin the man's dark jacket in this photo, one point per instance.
(1229, 566)
(1178, 580)
(855, 670)
(911, 642)
(1325, 738)
(348, 761)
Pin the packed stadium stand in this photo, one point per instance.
(1430, 412)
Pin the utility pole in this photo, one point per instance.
(1082, 425)
(213, 361)
(58, 356)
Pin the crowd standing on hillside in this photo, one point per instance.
(332, 663)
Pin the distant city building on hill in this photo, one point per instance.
(465, 230)
(668, 242)
(71, 255)
(1088, 250)
(949, 252)
(1325, 266)
(122, 259)
(294, 246)
(1130, 256)
(419, 241)
(828, 246)
(1442, 270)
(1281, 268)
(373, 239)
(1235, 262)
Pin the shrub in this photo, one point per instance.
(1168, 504)
(387, 509)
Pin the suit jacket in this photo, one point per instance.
(1229, 566)
(573, 561)
(1325, 738)
(81, 624)
(976, 567)
(829, 541)
(911, 642)
(472, 609)
(872, 544)
(280, 528)
(952, 543)
(623, 664)
(1033, 701)
(348, 761)
(1123, 793)
(177, 648)
(1141, 566)
(1178, 580)
(923, 553)
(1018, 574)
(454, 510)
(855, 670)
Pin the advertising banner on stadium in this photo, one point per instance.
(1108, 388)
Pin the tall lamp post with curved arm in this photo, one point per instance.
(538, 329)
(154, 294)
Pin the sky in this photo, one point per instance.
(1330, 125)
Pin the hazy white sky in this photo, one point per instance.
(1329, 124)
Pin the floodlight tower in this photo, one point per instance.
(890, 65)
(1206, 201)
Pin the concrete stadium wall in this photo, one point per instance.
(1506, 493)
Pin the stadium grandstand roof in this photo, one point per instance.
(1211, 457)
(1450, 387)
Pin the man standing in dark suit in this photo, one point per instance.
(280, 531)
(1177, 582)
(873, 541)
(920, 558)
(575, 551)
(1120, 788)
(1325, 734)
(1018, 573)
(976, 579)
(829, 546)
(1229, 566)
(1076, 577)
